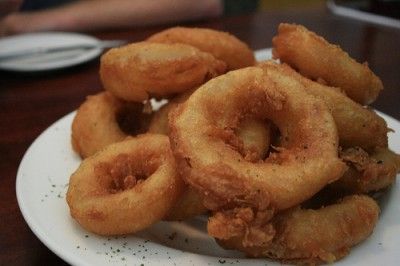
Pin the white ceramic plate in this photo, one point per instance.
(47, 61)
(42, 182)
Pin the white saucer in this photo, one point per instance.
(47, 62)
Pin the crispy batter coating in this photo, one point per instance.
(138, 71)
(126, 187)
(202, 127)
(253, 140)
(368, 173)
(357, 125)
(315, 58)
(253, 137)
(224, 46)
(103, 119)
(305, 236)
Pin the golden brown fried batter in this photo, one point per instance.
(304, 236)
(103, 119)
(200, 136)
(126, 187)
(357, 125)
(138, 71)
(315, 58)
(252, 140)
(368, 173)
(224, 46)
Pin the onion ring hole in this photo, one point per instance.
(132, 119)
(124, 172)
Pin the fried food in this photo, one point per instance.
(103, 119)
(188, 206)
(222, 45)
(315, 58)
(138, 71)
(159, 122)
(253, 136)
(253, 142)
(202, 131)
(265, 151)
(368, 173)
(126, 187)
(357, 125)
(305, 236)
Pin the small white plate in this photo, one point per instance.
(46, 61)
(42, 182)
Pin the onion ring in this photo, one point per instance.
(305, 236)
(138, 71)
(126, 187)
(253, 138)
(200, 129)
(357, 125)
(103, 119)
(224, 46)
(315, 58)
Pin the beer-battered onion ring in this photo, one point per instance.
(356, 124)
(201, 129)
(253, 138)
(126, 187)
(315, 58)
(103, 119)
(224, 46)
(309, 237)
(138, 71)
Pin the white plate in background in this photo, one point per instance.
(47, 61)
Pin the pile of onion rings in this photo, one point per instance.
(282, 155)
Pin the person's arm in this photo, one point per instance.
(9, 6)
(102, 14)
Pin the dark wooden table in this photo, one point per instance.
(29, 103)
